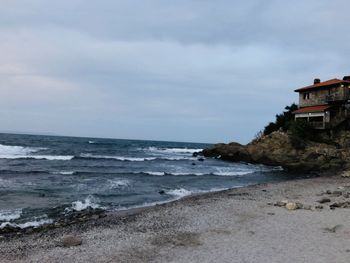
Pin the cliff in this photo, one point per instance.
(279, 149)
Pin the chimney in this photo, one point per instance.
(316, 81)
(347, 78)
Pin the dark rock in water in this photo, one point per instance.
(195, 154)
(201, 159)
(161, 192)
(193, 163)
(277, 149)
(71, 241)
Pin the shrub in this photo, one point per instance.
(283, 120)
(301, 128)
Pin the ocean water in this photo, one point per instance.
(44, 177)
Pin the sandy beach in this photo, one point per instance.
(238, 225)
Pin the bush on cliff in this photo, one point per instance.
(283, 120)
(300, 131)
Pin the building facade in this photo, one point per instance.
(324, 104)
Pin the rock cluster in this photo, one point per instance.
(277, 149)
(67, 219)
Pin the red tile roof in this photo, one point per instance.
(330, 82)
(318, 108)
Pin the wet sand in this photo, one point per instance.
(238, 225)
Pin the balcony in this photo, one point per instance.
(336, 98)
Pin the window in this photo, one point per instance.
(306, 95)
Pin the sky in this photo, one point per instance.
(179, 70)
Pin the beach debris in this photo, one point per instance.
(289, 205)
(333, 229)
(71, 241)
(345, 174)
(319, 207)
(282, 203)
(345, 204)
(340, 187)
(293, 205)
(337, 193)
(324, 200)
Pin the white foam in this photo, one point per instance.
(8, 215)
(186, 173)
(35, 223)
(118, 183)
(179, 193)
(92, 142)
(178, 158)
(155, 173)
(65, 172)
(173, 150)
(233, 173)
(5, 183)
(38, 157)
(90, 201)
(119, 158)
(18, 150)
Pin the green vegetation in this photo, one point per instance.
(299, 130)
(283, 120)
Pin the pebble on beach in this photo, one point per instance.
(71, 241)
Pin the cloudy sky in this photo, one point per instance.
(183, 70)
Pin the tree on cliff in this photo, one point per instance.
(283, 120)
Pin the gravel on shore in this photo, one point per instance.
(250, 224)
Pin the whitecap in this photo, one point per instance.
(185, 173)
(173, 150)
(233, 173)
(118, 183)
(90, 201)
(18, 150)
(179, 193)
(155, 173)
(65, 172)
(6, 183)
(119, 158)
(38, 157)
(8, 215)
(35, 223)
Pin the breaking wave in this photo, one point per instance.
(20, 152)
(89, 202)
(118, 183)
(35, 223)
(173, 150)
(133, 159)
(8, 215)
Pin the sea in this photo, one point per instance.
(42, 178)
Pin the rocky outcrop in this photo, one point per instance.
(278, 149)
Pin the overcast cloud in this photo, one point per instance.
(184, 70)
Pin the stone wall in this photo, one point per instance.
(318, 97)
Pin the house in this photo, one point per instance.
(325, 104)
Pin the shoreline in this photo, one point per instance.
(182, 226)
(89, 213)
